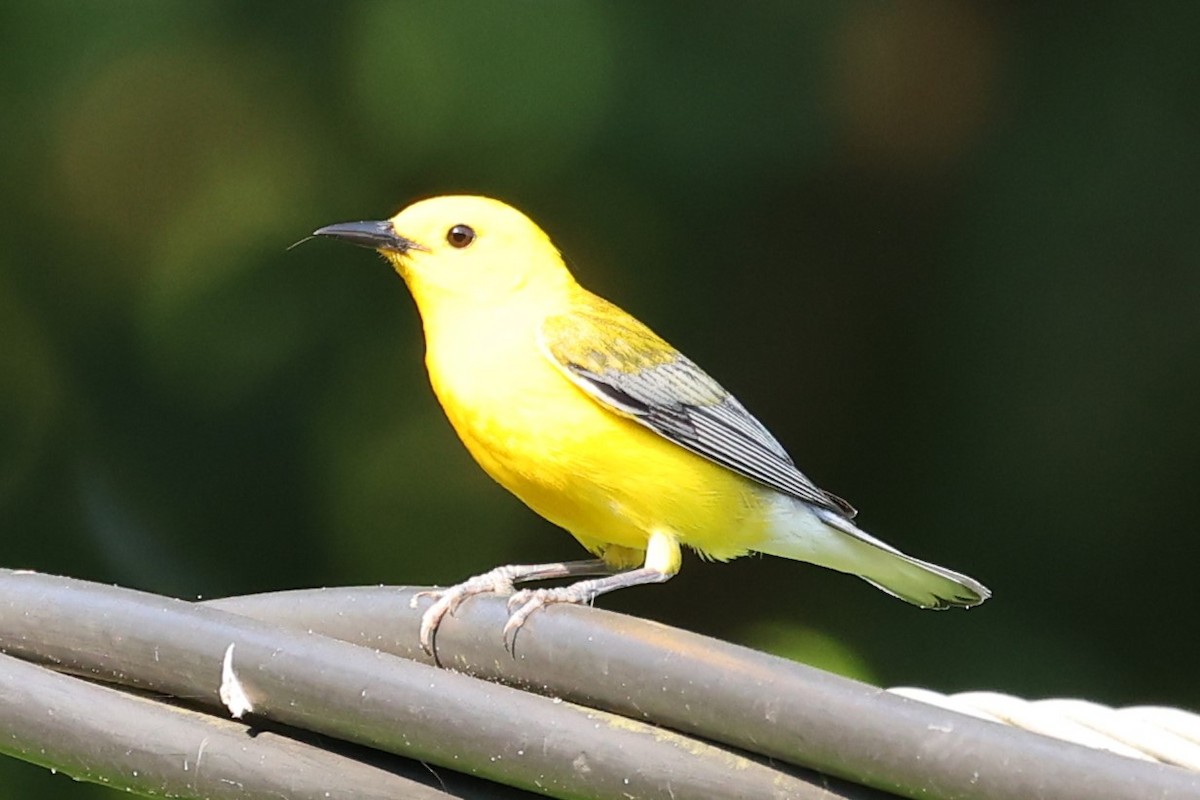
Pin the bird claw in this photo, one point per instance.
(523, 603)
(447, 601)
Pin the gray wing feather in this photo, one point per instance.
(680, 402)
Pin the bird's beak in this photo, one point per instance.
(375, 235)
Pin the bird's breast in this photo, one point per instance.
(603, 477)
(505, 399)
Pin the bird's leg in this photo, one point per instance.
(497, 581)
(662, 562)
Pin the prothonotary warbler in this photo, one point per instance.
(602, 427)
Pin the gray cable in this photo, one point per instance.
(1169, 735)
(734, 695)
(361, 695)
(104, 735)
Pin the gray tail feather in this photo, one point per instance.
(900, 575)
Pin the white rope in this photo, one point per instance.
(1151, 733)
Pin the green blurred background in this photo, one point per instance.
(946, 251)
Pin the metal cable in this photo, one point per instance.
(626, 706)
(1151, 733)
(759, 703)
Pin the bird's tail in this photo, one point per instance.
(839, 544)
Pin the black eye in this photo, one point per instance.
(460, 235)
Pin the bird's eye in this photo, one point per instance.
(460, 235)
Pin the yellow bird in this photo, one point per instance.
(602, 427)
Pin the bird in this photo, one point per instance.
(600, 426)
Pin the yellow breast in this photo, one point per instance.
(604, 478)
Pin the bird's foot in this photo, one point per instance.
(501, 580)
(445, 601)
(523, 603)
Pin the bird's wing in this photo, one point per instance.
(631, 371)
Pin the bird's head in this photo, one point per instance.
(462, 247)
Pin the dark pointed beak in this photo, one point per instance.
(375, 235)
